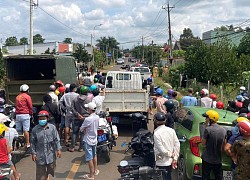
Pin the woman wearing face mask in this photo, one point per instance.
(45, 145)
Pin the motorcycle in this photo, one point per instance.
(143, 153)
(5, 172)
(145, 173)
(139, 121)
(106, 136)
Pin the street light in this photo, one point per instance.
(92, 36)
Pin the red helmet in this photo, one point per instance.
(43, 113)
(59, 82)
(61, 89)
(220, 105)
(213, 97)
(244, 127)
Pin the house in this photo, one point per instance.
(212, 36)
(57, 47)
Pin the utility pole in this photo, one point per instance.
(31, 27)
(142, 49)
(168, 8)
(152, 60)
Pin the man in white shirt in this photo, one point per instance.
(89, 128)
(52, 93)
(166, 146)
(98, 100)
(205, 101)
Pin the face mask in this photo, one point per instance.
(42, 122)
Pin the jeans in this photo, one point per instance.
(208, 167)
(76, 124)
(167, 174)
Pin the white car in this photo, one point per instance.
(120, 61)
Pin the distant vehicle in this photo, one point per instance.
(189, 129)
(144, 71)
(125, 66)
(120, 61)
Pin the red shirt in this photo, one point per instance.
(24, 104)
(4, 156)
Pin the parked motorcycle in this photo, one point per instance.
(145, 173)
(106, 136)
(139, 121)
(5, 172)
(143, 154)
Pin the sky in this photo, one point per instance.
(125, 20)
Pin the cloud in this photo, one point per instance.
(125, 20)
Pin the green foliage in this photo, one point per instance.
(37, 39)
(244, 46)
(217, 63)
(107, 44)
(81, 54)
(23, 41)
(187, 39)
(178, 53)
(11, 41)
(68, 40)
(99, 59)
(173, 76)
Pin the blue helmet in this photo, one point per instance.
(159, 91)
(239, 98)
(150, 79)
(92, 88)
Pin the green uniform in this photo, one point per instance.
(242, 150)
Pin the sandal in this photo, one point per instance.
(97, 172)
(87, 176)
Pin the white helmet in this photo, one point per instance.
(67, 85)
(204, 92)
(24, 88)
(242, 88)
(3, 118)
(52, 87)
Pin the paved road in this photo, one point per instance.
(72, 164)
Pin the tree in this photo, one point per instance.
(222, 28)
(107, 44)
(68, 40)
(38, 39)
(244, 46)
(81, 54)
(23, 41)
(187, 39)
(11, 41)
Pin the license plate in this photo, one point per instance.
(102, 138)
(115, 119)
(227, 175)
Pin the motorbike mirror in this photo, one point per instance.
(123, 163)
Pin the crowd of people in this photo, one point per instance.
(73, 109)
(215, 138)
(67, 109)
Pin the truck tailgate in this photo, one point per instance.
(126, 100)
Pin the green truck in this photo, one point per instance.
(38, 71)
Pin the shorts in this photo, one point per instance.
(22, 122)
(62, 124)
(150, 102)
(68, 120)
(90, 151)
(43, 171)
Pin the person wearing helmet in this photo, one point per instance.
(98, 100)
(151, 94)
(80, 112)
(24, 111)
(239, 101)
(52, 93)
(45, 146)
(189, 100)
(65, 104)
(87, 80)
(214, 98)
(213, 139)
(245, 107)
(170, 115)
(205, 101)
(241, 151)
(166, 146)
(58, 84)
(220, 105)
(98, 75)
(169, 94)
(236, 135)
(160, 100)
(98, 85)
(243, 92)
